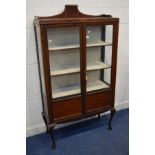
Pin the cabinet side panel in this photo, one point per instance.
(40, 61)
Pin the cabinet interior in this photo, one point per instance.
(64, 58)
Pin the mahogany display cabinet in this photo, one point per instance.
(77, 56)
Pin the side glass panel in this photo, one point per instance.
(64, 57)
(98, 57)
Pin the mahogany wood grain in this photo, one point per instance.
(67, 108)
(98, 101)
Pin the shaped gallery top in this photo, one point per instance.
(72, 14)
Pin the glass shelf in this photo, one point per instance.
(73, 46)
(75, 69)
(63, 47)
(65, 85)
(72, 90)
(65, 70)
(98, 79)
(97, 65)
(98, 43)
(96, 86)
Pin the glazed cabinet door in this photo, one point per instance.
(65, 70)
(99, 43)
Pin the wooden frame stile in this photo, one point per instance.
(114, 57)
(45, 117)
(46, 71)
(83, 65)
(85, 104)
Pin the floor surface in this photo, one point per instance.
(90, 137)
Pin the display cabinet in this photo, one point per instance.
(77, 55)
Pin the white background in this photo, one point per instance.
(13, 77)
(118, 9)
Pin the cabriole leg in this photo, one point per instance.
(45, 122)
(113, 111)
(98, 116)
(52, 137)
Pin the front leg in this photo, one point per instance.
(113, 111)
(51, 129)
(98, 116)
(44, 118)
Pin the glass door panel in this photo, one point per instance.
(98, 57)
(64, 58)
